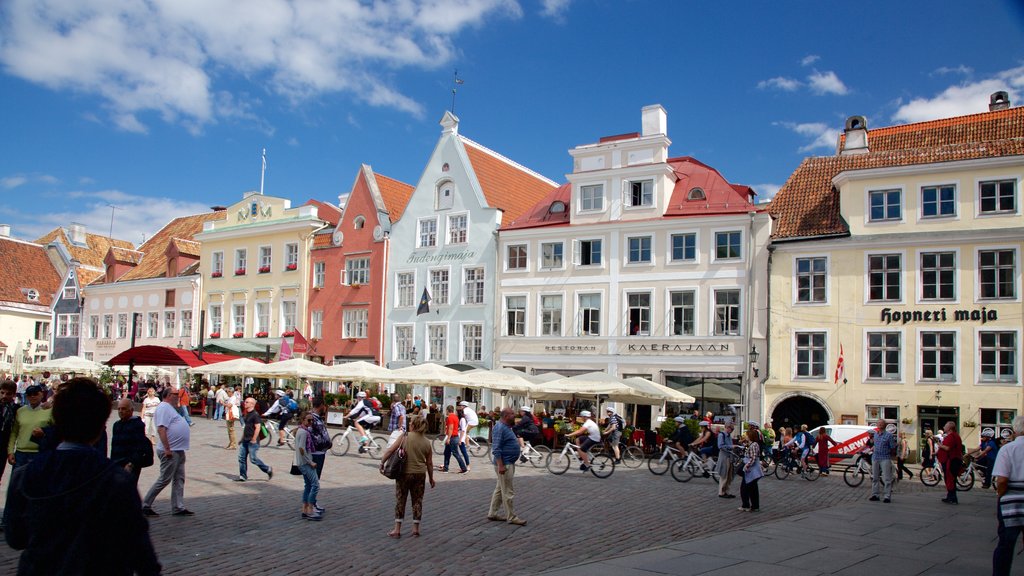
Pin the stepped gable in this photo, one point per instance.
(152, 262)
(506, 185)
(720, 197)
(26, 267)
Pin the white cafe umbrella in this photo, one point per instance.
(494, 380)
(66, 364)
(358, 371)
(670, 394)
(292, 368)
(594, 384)
(236, 367)
(429, 373)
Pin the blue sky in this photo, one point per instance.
(161, 108)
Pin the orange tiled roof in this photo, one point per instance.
(808, 205)
(322, 239)
(132, 257)
(187, 247)
(506, 185)
(93, 253)
(26, 267)
(326, 211)
(154, 251)
(395, 195)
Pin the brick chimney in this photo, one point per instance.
(856, 136)
(998, 101)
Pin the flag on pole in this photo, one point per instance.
(286, 350)
(840, 367)
(424, 306)
(299, 345)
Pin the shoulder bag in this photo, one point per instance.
(393, 465)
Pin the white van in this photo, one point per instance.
(850, 439)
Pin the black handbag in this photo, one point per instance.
(295, 471)
(394, 465)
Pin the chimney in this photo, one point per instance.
(218, 208)
(653, 120)
(998, 101)
(5, 230)
(856, 132)
(76, 233)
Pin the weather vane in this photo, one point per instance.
(455, 84)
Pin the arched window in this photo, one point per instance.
(696, 194)
(557, 207)
(359, 222)
(445, 195)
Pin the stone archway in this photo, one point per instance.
(798, 408)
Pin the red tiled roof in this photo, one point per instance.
(179, 231)
(93, 253)
(720, 197)
(506, 185)
(187, 247)
(326, 211)
(541, 215)
(26, 267)
(395, 195)
(132, 257)
(808, 205)
(322, 239)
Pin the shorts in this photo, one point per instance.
(587, 443)
(615, 437)
(804, 453)
(283, 419)
(368, 421)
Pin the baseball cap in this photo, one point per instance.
(586, 414)
(279, 392)
(527, 408)
(753, 424)
(33, 389)
(609, 409)
(463, 403)
(679, 419)
(704, 423)
(360, 394)
(988, 432)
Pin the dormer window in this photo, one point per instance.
(557, 207)
(639, 193)
(696, 194)
(445, 195)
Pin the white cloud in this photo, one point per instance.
(961, 69)
(779, 83)
(766, 192)
(821, 135)
(809, 59)
(292, 141)
(826, 83)
(968, 98)
(12, 181)
(172, 57)
(554, 8)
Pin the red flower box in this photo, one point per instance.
(240, 272)
(264, 269)
(291, 267)
(261, 334)
(215, 335)
(237, 335)
(216, 274)
(288, 334)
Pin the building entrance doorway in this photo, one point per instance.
(797, 410)
(934, 418)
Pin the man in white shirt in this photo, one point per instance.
(472, 420)
(1008, 473)
(174, 442)
(593, 432)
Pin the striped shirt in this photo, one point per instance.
(1010, 465)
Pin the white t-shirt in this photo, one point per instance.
(471, 417)
(149, 404)
(593, 432)
(1009, 464)
(177, 429)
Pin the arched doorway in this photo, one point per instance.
(799, 409)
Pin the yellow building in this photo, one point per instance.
(895, 278)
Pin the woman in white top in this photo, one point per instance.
(149, 404)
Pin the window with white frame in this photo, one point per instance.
(70, 293)
(684, 247)
(551, 315)
(938, 201)
(238, 318)
(592, 198)
(998, 356)
(640, 193)
(884, 355)
(938, 356)
(406, 289)
(355, 323)
(588, 252)
(884, 272)
(67, 325)
(316, 324)
(240, 258)
(186, 323)
(94, 327)
(515, 257)
(153, 325)
(266, 258)
(683, 312)
(727, 312)
(997, 196)
(108, 326)
(638, 314)
(137, 319)
(811, 278)
(216, 318)
(357, 271)
(639, 250)
(262, 317)
(589, 315)
(319, 274)
(403, 343)
(472, 342)
(169, 324)
(439, 286)
(885, 205)
(874, 413)
(728, 245)
(289, 309)
(515, 315)
(122, 325)
(358, 223)
(938, 275)
(997, 273)
(217, 267)
(437, 342)
(291, 256)
(427, 233)
(474, 286)
(458, 226)
(551, 257)
(810, 354)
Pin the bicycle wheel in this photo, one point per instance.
(965, 481)
(602, 465)
(659, 466)
(768, 466)
(479, 448)
(782, 470)
(289, 437)
(632, 456)
(558, 463)
(811, 472)
(339, 444)
(375, 446)
(680, 471)
(541, 458)
(853, 476)
(930, 477)
(438, 445)
(271, 433)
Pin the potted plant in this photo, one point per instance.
(239, 271)
(264, 269)
(216, 274)
(261, 334)
(238, 335)
(970, 424)
(214, 334)
(907, 420)
(291, 267)
(288, 334)
(355, 285)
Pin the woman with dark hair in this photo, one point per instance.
(749, 495)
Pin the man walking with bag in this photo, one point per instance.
(174, 442)
(505, 447)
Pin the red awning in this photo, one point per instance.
(166, 356)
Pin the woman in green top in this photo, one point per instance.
(419, 467)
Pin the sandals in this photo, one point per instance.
(396, 535)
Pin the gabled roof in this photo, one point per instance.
(807, 205)
(505, 184)
(187, 247)
(125, 256)
(93, 253)
(395, 195)
(720, 197)
(26, 267)
(325, 211)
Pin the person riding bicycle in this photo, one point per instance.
(593, 433)
(801, 445)
(360, 415)
(614, 425)
(681, 438)
(985, 455)
(705, 444)
(525, 430)
(285, 408)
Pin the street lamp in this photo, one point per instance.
(754, 355)
(412, 356)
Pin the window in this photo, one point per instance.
(457, 227)
(884, 277)
(938, 356)
(42, 332)
(122, 325)
(811, 274)
(472, 342)
(137, 319)
(938, 201)
(592, 198)
(94, 327)
(238, 317)
(168, 298)
(589, 315)
(474, 286)
(884, 205)
(439, 286)
(437, 343)
(218, 264)
(640, 193)
(997, 270)
(551, 257)
(428, 233)
(727, 245)
(938, 275)
(516, 257)
(406, 284)
(153, 325)
(875, 413)
(639, 250)
(727, 312)
(288, 315)
(358, 223)
(169, 324)
(551, 315)
(266, 259)
(355, 323)
(998, 196)
(216, 318)
(403, 343)
(588, 253)
(810, 354)
(262, 317)
(316, 324)
(108, 325)
(684, 247)
(291, 256)
(186, 324)
(515, 316)
(638, 314)
(998, 356)
(357, 271)
(683, 312)
(67, 325)
(70, 293)
(240, 256)
(884, 355)
(445, 195)
(319, 274)
(695, 194)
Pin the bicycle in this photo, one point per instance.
(343, 441)
(272, 429)
(601, 465)
(789, 464)
(685, 469)
(964, 480)
(659, 466)
(477, 447)
(861, 467)
(538, 455)
(630, 456)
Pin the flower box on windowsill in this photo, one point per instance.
(238, 335)
(216, 274)
(352, 339)
(291, 267)
(355, 285)
(240, 272)
(264, 269)
(261, 334)
(288, 334)
(215, 335)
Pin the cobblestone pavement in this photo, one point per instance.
(256, 526)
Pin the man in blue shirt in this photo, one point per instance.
(881, 461)
(505, 448)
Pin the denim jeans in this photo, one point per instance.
(449, 449)
(311, 488)
(183, 410)
(248, 450)
(319, 459)
(218, 414)
(22, 458)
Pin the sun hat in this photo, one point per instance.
(679, 419)
(585, 413)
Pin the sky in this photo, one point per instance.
(123, 114)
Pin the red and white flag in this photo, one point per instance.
(840, 367)
(299, 345)
(286, 350)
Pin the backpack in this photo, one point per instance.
(292, 405)
(620, 424)
(321, 437)
(808, 440)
